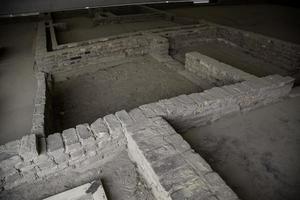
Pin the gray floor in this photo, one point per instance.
(257, 152)
(144, 80)
(17, 83)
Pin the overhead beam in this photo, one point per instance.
(12, 7)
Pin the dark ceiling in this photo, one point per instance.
(8, 7)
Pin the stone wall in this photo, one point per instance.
(41, 104)
(187, 111)
(32, 157)
(216, 72)
(281, 53)
(169, 165)
(76, 55)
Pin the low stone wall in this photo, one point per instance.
(40, 105)
(216, 72)
(280, 53)
(187, 111)
(171, 168)
(32, 157)
(99, 19)
(126, 47)
(88, 52)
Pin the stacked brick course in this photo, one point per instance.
(187, 111)
(284, 54)
(33, 158)
(216, 72)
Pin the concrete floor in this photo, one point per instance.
(144, 80)
(256, 153)
(271, 20)
(17, 83)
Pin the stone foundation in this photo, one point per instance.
(149, 133)
(32, 158)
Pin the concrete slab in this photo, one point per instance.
(88, 191)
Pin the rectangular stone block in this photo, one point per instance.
(46, 164)
(179, 144)
(218, 92)
(197, 162)
(114, 125)
(124, 118)
(147, 110)
(28, 147)
(200, 100)
(149, 143)
(99, 129)
(178, 178)
(62, 158)
(13, 180)
(157, 109)
(71, 140)
(47, 171)
(55, 145)
(172, 162)
(10, 162)
(77, 154)
(159, 153)
(84, 134)
(193, 189)
(12, 147)
(26, 166)
(137, 115)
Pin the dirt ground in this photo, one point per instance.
(119, 177)
(271, 20)
(233, 56)
(257, 153)
(85, 98)
(17, 82)
(82, 28)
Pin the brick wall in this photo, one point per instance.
(32, 157)
(281, 53)
(216, 72)
(187, 111)
(40, 105)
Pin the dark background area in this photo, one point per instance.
(8, 7)
(29, 6)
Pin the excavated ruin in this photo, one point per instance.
(127, 96)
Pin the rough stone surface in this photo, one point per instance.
(28, 148)
(84, 134)
(55, 144)
(70, 139)
(169, 164)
